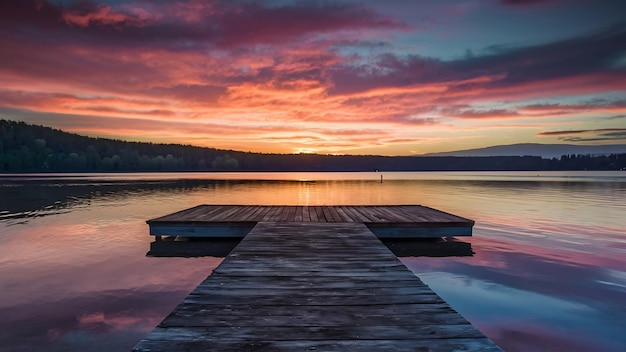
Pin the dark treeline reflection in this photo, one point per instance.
(42, 196)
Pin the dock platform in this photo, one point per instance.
(313, 286)
(235, 221)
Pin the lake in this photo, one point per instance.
(547, 273)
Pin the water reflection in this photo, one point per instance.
(31, 198)
(523, 320)
(548, 269)
(528, 297)
(439, 247)
(174, 246)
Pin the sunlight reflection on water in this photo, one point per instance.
(548, 271)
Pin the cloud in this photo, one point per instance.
(103, 15)
(256, 23)
(190, 92)
(186, 25)
(597, 106)
(486, 114)
(571, 132)
(586, 56)
(617, 136)
(523, 2)
(591, 135)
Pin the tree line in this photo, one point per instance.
(32, 148)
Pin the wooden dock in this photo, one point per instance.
(313, 286)
(393, 221)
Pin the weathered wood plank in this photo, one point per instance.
(313, 214)
(320, 214)
(344, 217)
(272, 345)
(219, 289)
(284, 214)
(436, 331)
(225, 215)
(306, 216)
(298, 216)
(181, 214)
(258, 215)
(416, 310)
(244, 213)
(365, 212)
(277, 214)
(181, 318)
(270, 281)
(350, 210)
(295, 301)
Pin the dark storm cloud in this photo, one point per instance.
(593, 54)
(183, 24)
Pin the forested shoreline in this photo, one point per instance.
(32, 148)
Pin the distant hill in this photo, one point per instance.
(535, 149)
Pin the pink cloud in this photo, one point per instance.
(113, 322)
(103, 15)
(255, 23)
(192, 11)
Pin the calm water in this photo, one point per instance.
(548, 271)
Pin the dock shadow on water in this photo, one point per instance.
(187, 247)
(429, 247)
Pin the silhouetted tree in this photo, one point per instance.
(30, 148)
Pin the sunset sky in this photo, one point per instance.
(341, 77)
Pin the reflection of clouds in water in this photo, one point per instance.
(514, 287)
(548, 272)
(568, 239)
(69, 322)
(60, 272)
(122, 321)
(615, 278)
(498, 309)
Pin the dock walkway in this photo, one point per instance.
(306, 286)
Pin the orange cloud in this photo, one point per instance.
(105, 15)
